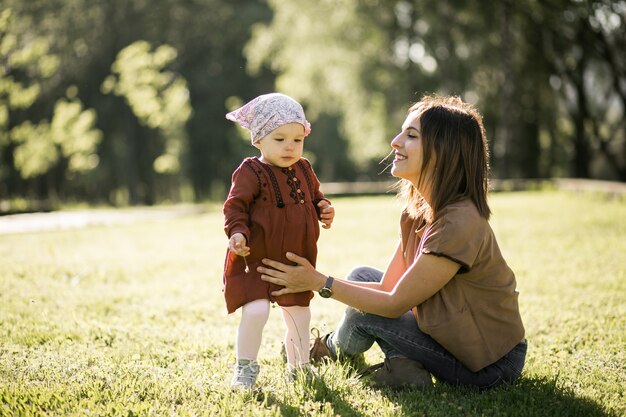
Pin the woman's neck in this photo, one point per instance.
(424, 192)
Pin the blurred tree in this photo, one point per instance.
(584, 42)
(31, 149)
(71, 135)
(369, 61)
(522, 63)
(336, 68)
(158, 98)
(549, 77)
(86, 37)
(608, 123)
(210, 36)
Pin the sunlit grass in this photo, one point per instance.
(130, 320)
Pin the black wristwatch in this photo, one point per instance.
(325, 291)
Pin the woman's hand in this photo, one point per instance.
(295, 278)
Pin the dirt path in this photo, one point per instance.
(72, 219)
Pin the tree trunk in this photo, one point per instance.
(131, 167)
(581, 145)
(506, 95)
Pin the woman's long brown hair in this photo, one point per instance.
(456, 157)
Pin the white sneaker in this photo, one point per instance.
(246, 372)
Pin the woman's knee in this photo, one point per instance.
(355, 318)
(365, 274)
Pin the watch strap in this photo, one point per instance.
(329, 282)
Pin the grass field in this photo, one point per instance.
(129, 320)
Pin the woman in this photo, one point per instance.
(447, 303)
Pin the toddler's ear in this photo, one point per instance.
(257, 144)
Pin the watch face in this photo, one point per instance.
(325, 292)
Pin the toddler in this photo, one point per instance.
(274, 206)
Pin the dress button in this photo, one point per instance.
(299, 191)
(295, 179)
(301, 201)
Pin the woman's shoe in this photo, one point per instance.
(319, 349)
(398, 373)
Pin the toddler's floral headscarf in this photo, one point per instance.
(267, 112)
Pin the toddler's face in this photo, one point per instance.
(283, 146)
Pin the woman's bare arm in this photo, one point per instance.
(425, 277)
(394, 271)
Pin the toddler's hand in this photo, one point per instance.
(327, 213)
(237, 245)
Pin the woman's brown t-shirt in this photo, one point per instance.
(475, 316)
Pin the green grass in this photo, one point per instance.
(129, 320)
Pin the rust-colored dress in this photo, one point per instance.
(276, 210)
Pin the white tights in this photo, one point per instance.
(254, 315)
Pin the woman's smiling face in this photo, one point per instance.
(408, 148)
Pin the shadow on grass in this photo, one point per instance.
(325, 399)
(528, 397)
(535, 397)
(269, 398)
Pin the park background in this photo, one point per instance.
(122, 102)
(112, 118)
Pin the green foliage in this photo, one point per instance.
(35, 153)
(548, 77)
(26, 61)
(73, 130)
(38, 147)
(159, 98)
(71, 135)
(336, 84)
(129, 319)
(526, 64)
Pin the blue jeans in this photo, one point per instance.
(401, 337)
